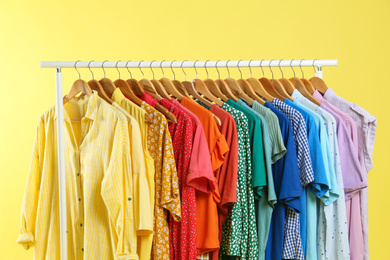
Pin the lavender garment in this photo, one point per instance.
(366, 128)
(352, 175)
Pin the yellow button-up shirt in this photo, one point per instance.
(99, 194)
(144, 239)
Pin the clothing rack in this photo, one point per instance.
(143, 64)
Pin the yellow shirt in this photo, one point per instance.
(141, 201)
(98, 185)
(167, 199)
(144, 241)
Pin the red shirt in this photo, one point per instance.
(182, 235)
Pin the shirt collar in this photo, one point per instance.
(329, 94)
(296, 94)
(92, 107)
(118, 96)
(318, 96)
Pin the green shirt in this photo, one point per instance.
(239, 237)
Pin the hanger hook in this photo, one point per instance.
(250, 69)
(261, 67)
(77, 69)
(185, 75)
(238, 66)
(161, 67)
(205, 67)
(281, 68)
(216, 66)
(292, 67)
(196, 71)
(313, 65)
(93, 76)
(131, 75)
(150, 67)
(300, 66)
(227, 67)
(269, 66)
(174, 75)
(116, 66)
(104, 72)
(139, 63)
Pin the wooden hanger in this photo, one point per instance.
(169, 86)
(259, 89)
(138, 89)
(213, 89)
(269, 87)
(201, 87)
(247, 88)
(279, 86)
(223, 86)
(78, 86)
(95, 85)
(107, 83)
(160, 89)
(192, 91)
(235, 88)
(308, 85)
(287, 85)
(300, 86)
(319, 84)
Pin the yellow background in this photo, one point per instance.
(354, 32)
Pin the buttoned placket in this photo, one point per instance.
(77, 150)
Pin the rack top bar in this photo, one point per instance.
(188, 64)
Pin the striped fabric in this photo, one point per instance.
(99, 193)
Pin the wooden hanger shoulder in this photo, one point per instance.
(280, 89)
(319, 84)
(180, 88)
(78, 86)
(160, 89)
(170, 88)
(247, 88)
(201, 87)
(287, 85)
(150, 89)
(225, 89)
(95, 85)
(269, 87)
(108, 85)
(308, 85)
(302, 89)
(213, 88)
(259, 89)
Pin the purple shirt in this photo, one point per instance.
(366, 128)
(353, 177)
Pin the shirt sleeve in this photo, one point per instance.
(320, 185)
(259, 180)
(31, 194)
(350, 166)
(142, 209)
(200, 171)
(290, 189)
(219, 151)
(116, 190)
(170, 198)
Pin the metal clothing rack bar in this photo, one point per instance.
(142, 64)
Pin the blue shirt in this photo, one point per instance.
(287, 187)
(319, 187)
(292, 247)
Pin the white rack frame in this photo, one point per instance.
(143, 64)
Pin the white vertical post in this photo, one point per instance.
(319, 72)
(61, 165)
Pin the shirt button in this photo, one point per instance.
(129, 198)
(79, 199)
(81, 224)
(82, 249)
(78, 174)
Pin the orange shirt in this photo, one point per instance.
(206, 203)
